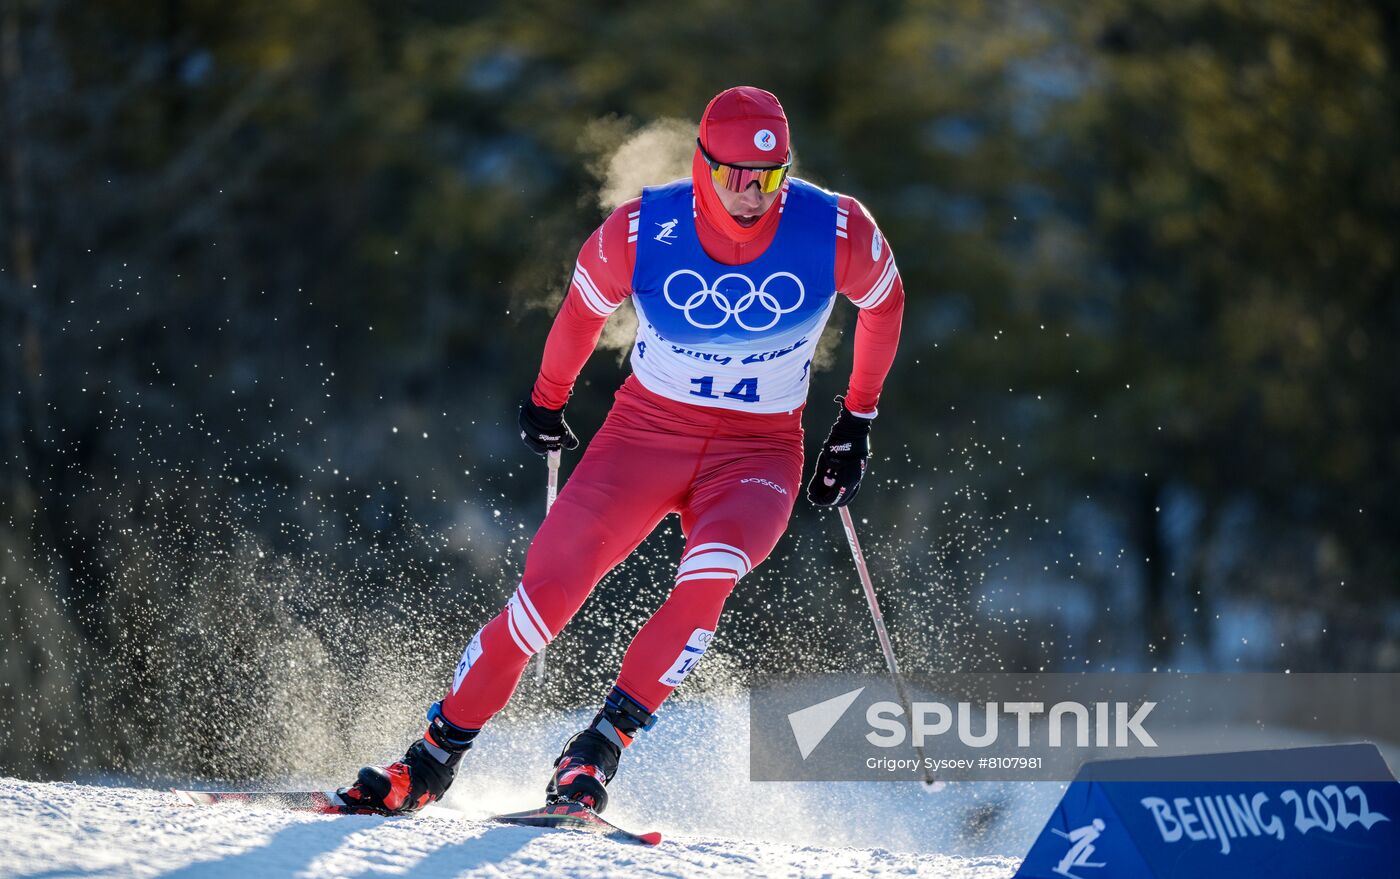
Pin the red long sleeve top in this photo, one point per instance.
(865, 274)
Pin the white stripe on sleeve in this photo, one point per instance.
(882, 286)
(589, 291)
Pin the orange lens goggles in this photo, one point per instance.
(737, 179)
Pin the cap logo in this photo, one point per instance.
(765, 140)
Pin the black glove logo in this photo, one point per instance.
(841, 464)
(545, 430)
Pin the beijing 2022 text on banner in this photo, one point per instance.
(1110, 826)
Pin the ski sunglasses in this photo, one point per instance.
(737, 179)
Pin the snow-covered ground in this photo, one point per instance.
(688, 781)
(54, 830)
(688, 778)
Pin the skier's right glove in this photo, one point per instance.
(841, 464)
(544, 430)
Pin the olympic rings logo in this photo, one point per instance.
(756, 310)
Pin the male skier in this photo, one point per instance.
(733, 273)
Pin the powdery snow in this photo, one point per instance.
(76, 830)
(689, 780)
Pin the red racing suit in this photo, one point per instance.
(732, 473)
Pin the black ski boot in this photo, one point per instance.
(421, 777)
(589, 761)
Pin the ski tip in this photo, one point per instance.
(192, 797)
(652, 838)
(325, 802)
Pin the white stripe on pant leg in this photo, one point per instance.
(524, 625)
(534, 614)
(711, 561)
(748, 565)
(714, 559)
(714, 545)
(708, 575)
(510, 627)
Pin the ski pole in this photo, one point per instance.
(884, 636)
(551, 491)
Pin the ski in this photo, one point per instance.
(324, 801)
(575, 816)
(568, 815)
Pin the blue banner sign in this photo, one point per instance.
(1341, 818)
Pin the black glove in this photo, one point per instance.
(841, 464)
(544, 430)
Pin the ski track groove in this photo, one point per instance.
(74, 831)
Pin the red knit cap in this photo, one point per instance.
(745, 124)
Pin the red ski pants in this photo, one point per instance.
(732, 476)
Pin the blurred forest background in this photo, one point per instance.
(276, 275)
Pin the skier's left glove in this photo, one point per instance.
(545, 430)
(841, 464)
